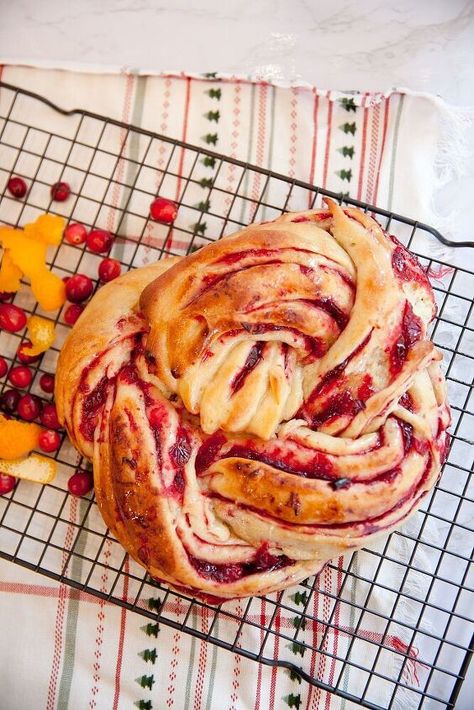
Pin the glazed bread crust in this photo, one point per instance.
(262, 405)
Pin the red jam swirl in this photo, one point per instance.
(253, 358)
(228, 573)
(411, 331)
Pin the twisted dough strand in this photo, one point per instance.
(263, 405)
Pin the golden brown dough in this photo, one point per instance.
(262, 405)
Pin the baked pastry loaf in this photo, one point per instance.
(262, 405)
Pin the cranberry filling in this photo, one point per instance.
(328, 380)
(180, 453)
(239, 255)
(406, 401)
(212, 280)
(253, 358)
(319, 466)
(91, 406)
(209, 451)
(227, 573)
(365, 389)
(406, 266)
(410, 441)
(332, 309)
(407, 435)
(340, 404)
(313, 346)
(181, 450)
(410, 333)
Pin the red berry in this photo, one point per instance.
(5, 295)
(80, 482)
(22, 353)
(164, 211)
(109, 269)
(17, 187)
(49, 417)
(49, 440)
(7, 483)
(78, 288)
(72, 313)
(47, 383)
(99, 241)
(9, 401)
(75, 234)
(60, 191)
(3, 366)
(12, 318)
(20, 376)
(29, 407)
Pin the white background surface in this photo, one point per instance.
(427, 45)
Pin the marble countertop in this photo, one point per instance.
(426, 45)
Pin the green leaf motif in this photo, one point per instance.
(154, 604)
(293, 701)
(151, 629)
(209, 162)
(345, 174)
(203, 206)
(215, 93)
(347, 151)
(206, 182)
(301, 598)
(199, 227)
(299, 623)
(148, 655)
(298, 648)
(211, 138)
(210, 74)
(144, 705)
(146, 681)
(213, 116)
(295, 676)
(348, 128)
(348, 104)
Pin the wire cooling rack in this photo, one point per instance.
(44, 529)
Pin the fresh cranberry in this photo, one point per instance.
(109, 269)
(20, 376)
(75, 234)
(29, 407)
(17, 187)
(78, 288)
(6, 295)
(49, 417)
(9, 401)
(80, 482)
(72, 313)
(49, 440)
(99, 241)
(22, 353)
(12, 318)
(3, 366)
(60, 191)
(7, 483)
(164, 211)
(47, 383)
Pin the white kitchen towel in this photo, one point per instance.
(64, 648)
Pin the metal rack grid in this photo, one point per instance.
(46, 530)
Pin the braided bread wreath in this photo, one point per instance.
(260, 406)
